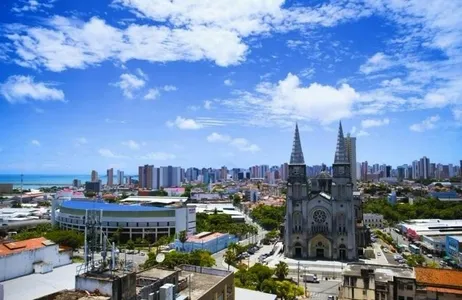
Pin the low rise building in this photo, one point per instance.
(373, 220)
(368, 282)
(441, 284)
(454, 249)
(210, 241)
(37, 255)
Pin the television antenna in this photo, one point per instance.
(160, 257)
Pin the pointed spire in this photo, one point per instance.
(341, 155)
(296, 157)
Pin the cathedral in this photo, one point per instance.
(323, 219)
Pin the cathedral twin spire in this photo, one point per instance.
(341, 155)
(296, 157)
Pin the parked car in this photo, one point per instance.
(310, 278)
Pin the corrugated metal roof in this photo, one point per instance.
(108, 206)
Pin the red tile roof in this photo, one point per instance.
(438, 277)
(16, 247)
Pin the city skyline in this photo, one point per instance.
(119, 84)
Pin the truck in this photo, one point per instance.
(310, 278)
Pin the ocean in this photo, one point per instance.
(35, 181)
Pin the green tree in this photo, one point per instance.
(282, 270)
(230, 257)
(69, 238)
(130, 245)
(183, 237)
(117, 235)
(201, 258)
(236, 199)
(287, 290)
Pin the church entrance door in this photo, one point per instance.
(319, 253)
(342, 252)
(298, 250)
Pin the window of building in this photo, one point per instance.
(409, 287)
(409, 298)
(353, 281)
(401, 286)
(401, 298)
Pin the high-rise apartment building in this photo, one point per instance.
(350, 145)
(415, 169)
(120, 177)
(110, 177)
(424, 168)
(146, 176)
(94, 176)
(223, 173)
(284, 171)
(364, 171)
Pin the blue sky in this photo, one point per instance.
(96, 84)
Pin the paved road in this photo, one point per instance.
(323, 289)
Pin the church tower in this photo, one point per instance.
(297, 194)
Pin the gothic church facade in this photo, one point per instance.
(321, 214)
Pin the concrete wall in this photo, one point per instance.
(91, 284)
(119, 288)
(20, 264)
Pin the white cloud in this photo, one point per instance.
(216, 137)
(111, 121)
(18, 88)
(208, 104)
(158, 156)
(80, 141)
(129, 83)
(362, 133)
(353, 130)
(307, 73)
(35, 143)
(378, 62)
(216, 31)
(169, 88)
(183, 123)
(131, 144)
(32, 5)
(240, 144)
(288, 100)
(228, 82)
(142, 74)
(457, 112)
(152, 94)
(427, 124)
(109, 154)
(374, 123)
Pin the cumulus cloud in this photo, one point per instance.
(362, 133)
(240, 144)
(32, 5)
(427, 124)
(183, 123)
(374, 123)
(129, 83)
(288, 99)
(18, 88)
(35, 143)
(169, 88)
(152, 94)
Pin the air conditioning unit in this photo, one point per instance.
(166, 291)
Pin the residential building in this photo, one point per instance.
(424, 168)
(373, 220)
(454, 248)
(93, 186)
(110, 177)
(401, 173)
(37, 255)
(146, 177)
(284, 171)
(94, 176)
(76, 183)
(364, 171)
(120, 177)
(223, 173)
(376, 282)
(350, 144)
(415, 169)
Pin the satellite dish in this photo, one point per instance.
(160, 257)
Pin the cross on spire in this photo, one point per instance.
(341, 155)
(296, 157)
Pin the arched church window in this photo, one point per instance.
(297, 217)
(297, 189)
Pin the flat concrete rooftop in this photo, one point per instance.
(155, 273)
(200, 283)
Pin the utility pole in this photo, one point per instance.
(298, 273)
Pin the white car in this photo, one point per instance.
(429, 255)
(379, 253)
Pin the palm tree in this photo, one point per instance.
(282, 270)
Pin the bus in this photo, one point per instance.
(414, 249)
